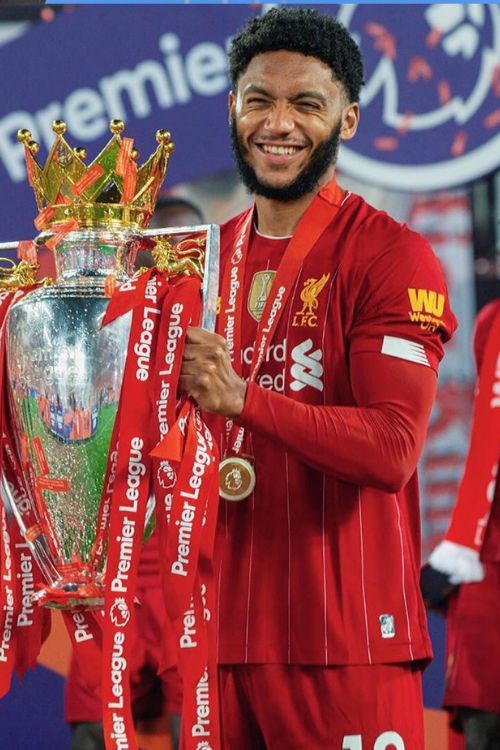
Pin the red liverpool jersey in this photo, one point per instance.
(484, 323)
(320, 564)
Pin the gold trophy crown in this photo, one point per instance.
(111, 191)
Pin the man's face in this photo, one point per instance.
(287, 117)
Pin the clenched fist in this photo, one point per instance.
(208, 376)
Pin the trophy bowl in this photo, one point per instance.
(64, 377)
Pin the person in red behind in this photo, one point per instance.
(470, 560)
(322, 374)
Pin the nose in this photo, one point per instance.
(280, 120)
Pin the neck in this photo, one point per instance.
(280, 218)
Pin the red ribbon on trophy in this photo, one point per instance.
(161, 311)
(188, 579)
(129, 497)
(32, 623)
(21, 623)
(185, 464)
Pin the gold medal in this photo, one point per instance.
(236, 478)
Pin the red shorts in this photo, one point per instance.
(281, 707)
(151, 696)
(473, 644)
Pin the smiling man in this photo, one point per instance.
(323, 373)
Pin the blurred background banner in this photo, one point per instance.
(431, 104)
(427, 151)
(153, 67)
(431, 107)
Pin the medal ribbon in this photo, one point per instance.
(313, 223)
(477, 488)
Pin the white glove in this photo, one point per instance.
(461, 564)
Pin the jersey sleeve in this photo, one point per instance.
(376, 443)
(403, 309)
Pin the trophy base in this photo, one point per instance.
(67, 596)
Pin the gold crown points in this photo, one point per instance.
(112, 190)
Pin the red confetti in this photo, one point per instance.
(40, 456)
(417, 69)
(406, 122)
(459, 143)
(386, 143)
(444, 92)
(433, 38)
(387, 45)
(53, 485)
(62, 200)
(384, 41)
(375, 29)
(24, 448)
(33, 532)
(492, 120)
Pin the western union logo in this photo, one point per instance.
(423, 300)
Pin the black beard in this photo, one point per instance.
(306, 181)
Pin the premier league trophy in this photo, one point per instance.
(63, 370)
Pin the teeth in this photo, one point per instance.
(280, 150)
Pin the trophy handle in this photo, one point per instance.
(210, 287)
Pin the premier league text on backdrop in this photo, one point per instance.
(87, 110)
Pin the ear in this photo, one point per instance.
(350, 120)
(231, 103)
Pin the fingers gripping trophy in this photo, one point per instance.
(89, 370)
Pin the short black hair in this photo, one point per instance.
(301, 30)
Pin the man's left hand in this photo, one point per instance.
(208, 375)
